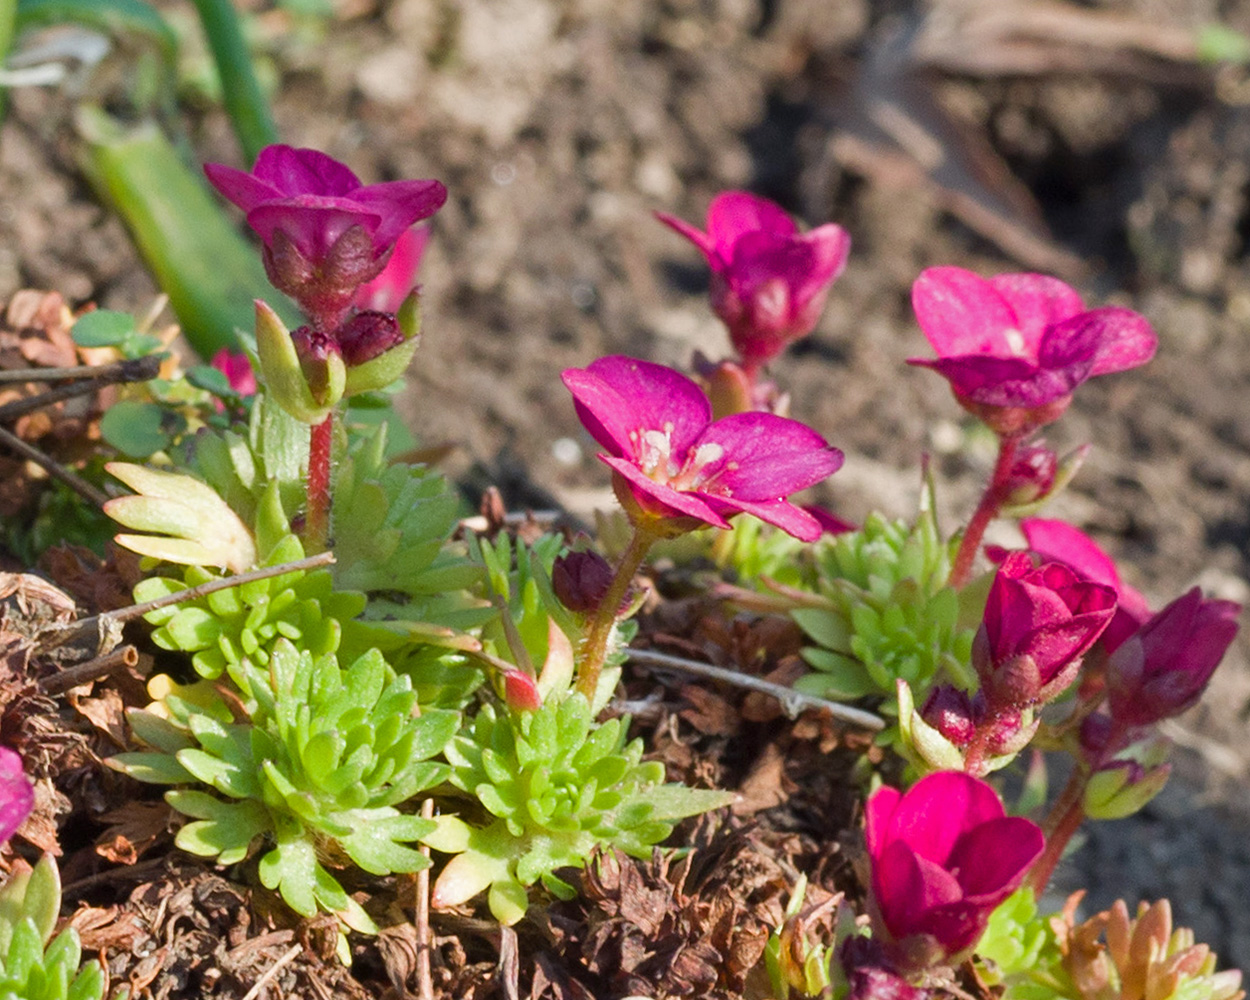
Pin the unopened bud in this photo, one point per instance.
(581, 580)
(1123, 787)
(520, 692)
(1031, 476)
(307, 381)
(950, 712)
(1042, 478)
(379, 347)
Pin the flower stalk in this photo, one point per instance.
(991, 503)
(603, 619)
(317, 518)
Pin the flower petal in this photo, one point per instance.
(240, 187)
(991, 860)
(962, 314)
(313, 224)
(399, 204)
(17, 795)
(1006, 382)
(662, 500)
(696, 236)
(295, 171)
(765, 457)
(732, 214)
(790, 518)
(907, 886)
(1039, 301)
(617, 397)
(940, 809)
(1125, 339)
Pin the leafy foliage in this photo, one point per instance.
(883, 612)
(225, 627)
(318, 767)
(557, 785)
(33, 964)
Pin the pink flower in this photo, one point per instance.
(943, 855)
(678, 469)
(1058, 541)
(387, 291)
(1039, 622)
(1015, 346)
(769, 281)
(325, 233)
(1164, 668)
(17, 794)
(237, 369)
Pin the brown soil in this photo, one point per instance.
(1095, 149)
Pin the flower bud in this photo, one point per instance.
(520, 692)
(1123, 787)
(286, 368)
(379, 347)
(581, 580)
(1031, 475)
(1164, 668)
(950, 712)
(1043, 478)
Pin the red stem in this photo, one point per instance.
(595, 647)
(1044, 868)
(987, 510)
(317, 518)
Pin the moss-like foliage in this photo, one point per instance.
(315, 772)
(556, 785)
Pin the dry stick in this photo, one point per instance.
(139, 370)
(54, 468)
(117, 371)
(133, 611)
(287, 958)
(425, 980)
(92, 670)
(792, 702)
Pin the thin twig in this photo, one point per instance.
(138, 370)
(92, 670)
(425, 980)
(287, 958)
(75, 373)
(110, 875)
(792, 702)
(54, 468)
(133, 611)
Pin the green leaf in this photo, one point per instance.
(154, 768)
(139, 429)
(102, 328)
(374, 845)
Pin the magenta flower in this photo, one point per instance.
(387, 291)
(769, 281)
(1058, 541)
(1164, 668)
(1015, 346)
(677, 469)
(325, 233)
(1039, 622)
(237, 369)
(944, 855)
(17, 794)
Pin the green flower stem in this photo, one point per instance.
(595, 647)
(317, 519)
(245, 103)
(987, 510)
(1057, 839)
